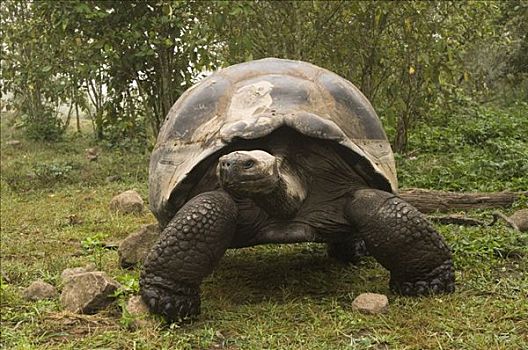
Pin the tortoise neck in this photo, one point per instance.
(285, 199)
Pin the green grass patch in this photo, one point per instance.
(481, 149)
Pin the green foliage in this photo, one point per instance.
(23, 176)
(470, 247)
(124, 66)
(26, 70)
(406, 57)
(49, 173)
(481, 149)
(92, 243)
(129, 284)
(43, 127)
(94, 246)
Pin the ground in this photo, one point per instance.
(54, 215)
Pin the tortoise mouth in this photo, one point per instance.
(256, 185)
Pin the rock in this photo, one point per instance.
(371, 303)
(67, 273)
(39, 290)
(135, 247)
(13, 143)
(113, 178)
(74, 219)
(520, 218)
(136, 307)
(111, 245)
(5, 277)
(128, 202)
(88, 292)
(91, 154)
(139, 313)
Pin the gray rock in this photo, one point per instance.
(88, 292)
(39, 290)
(67, 273)
(91, 154)
(136, 307)
(113, 178)
(520, 218)
(139, 313)
(128, 202)
(134, 249)
(13, 143)
(5, 277)
(371, 303)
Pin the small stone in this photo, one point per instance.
(520, 218)
(5, 277)
(139, 312)
(92, 150)
(74, 219)
(13, 143)
(371, 303)
(88, 292)
(135, 248)
(136, 306)
(91, 154)
(39, 290)
(128, 202)
(113, 178)
(67, 273)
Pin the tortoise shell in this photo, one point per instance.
(251, 100)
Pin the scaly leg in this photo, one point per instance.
(189, 248)
(403, 241)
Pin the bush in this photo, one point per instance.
(480, 148)
(44, 127)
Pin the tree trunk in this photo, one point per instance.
(77, 117)
(428, 201)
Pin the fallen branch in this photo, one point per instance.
(457, 219)
(497, 215)
(428, 201)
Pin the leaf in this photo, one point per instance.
(408, 25)
(166, 9)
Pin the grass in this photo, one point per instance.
(54, 212)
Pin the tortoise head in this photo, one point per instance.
(248, 173)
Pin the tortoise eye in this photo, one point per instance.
(248, 164)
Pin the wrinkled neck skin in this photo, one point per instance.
(285, 198)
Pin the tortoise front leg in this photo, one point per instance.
(403, 241)
(188, 250)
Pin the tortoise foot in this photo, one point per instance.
(179, 303)
(441, 280)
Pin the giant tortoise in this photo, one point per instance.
(279, 151)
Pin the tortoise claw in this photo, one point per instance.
(175, 305)
(440, 280)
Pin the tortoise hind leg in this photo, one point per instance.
(188, 250)
(347, 252)
(403, 241)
